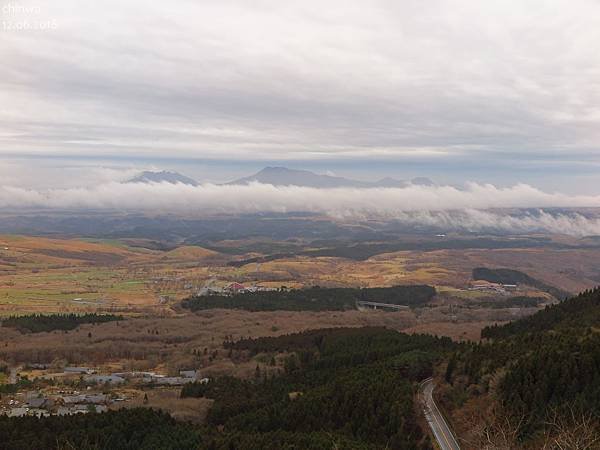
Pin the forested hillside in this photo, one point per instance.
(124, 430)
(576, 314)
(314, 298)
(539, 368)
(354, 384)
(345, 388)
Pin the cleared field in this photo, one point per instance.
(166, 399)
(48, 275)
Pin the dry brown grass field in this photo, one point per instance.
(74, 275)
(166, 399)
(144, 343)
(71, 275)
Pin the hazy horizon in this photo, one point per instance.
(65, 172)
(498, 104)
(456, 91)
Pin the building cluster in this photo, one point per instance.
(185, 376)
(68, 402)
(116, 378)
(496, 288)
(232, 289)
(39, 405)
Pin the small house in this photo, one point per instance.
(236, 288)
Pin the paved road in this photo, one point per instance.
(437, 423)
(12, 377)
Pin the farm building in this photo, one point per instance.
(236, 288)
(110, 379)
(83, 370)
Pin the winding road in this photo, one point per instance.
(440, 428)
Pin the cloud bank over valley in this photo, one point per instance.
(475, 207)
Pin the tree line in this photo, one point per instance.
(314, 298)
(37, 323)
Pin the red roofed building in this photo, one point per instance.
(236, 288)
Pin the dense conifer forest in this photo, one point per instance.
(314, 298)
(147, 429)
(126, 429)
(37, 323)
(549, 364)
(357, 384)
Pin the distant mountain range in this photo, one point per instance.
(163, 177)
(282, 176)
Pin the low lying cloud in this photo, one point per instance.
(539, 221)
(477, 207)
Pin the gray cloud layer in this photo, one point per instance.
(443, 80)
(474, 208)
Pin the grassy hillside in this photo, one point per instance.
(366, 250)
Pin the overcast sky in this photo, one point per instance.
(489, 91)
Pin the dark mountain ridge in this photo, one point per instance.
(283, 176)
(164, 176)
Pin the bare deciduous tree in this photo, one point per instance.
(571, 429)
(494, 429)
